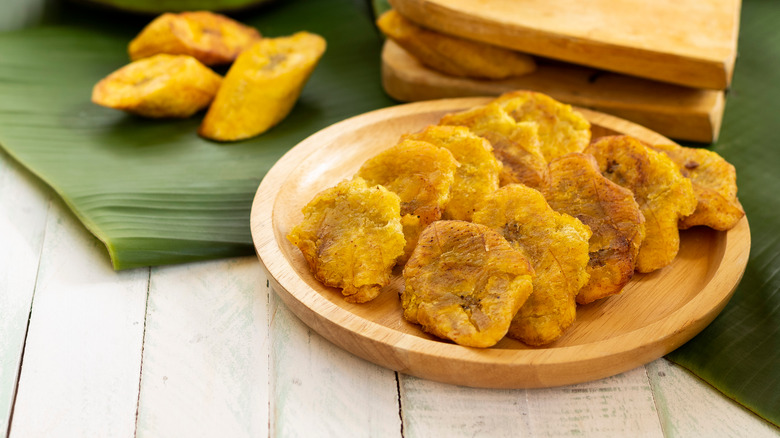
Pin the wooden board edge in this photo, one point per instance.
(678, 112)
(677, 68)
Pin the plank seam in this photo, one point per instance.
(400, 403)
(269, 372)
(27, 327)
(143, 345)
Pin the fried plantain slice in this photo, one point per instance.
(351, 237)
(161, 86)
(663, 194)
(464, 282)
(453, 55)
(714, 183)
(262, 86)
(515, 145)
(557, 246)
(477, 175)
(561, 129)
(211, 38)
(577, 188)
(421, 174)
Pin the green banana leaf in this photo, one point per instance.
(156, 193)
(152, 190)
(160, 6)
(739, 353)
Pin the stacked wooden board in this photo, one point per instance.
(663, 64)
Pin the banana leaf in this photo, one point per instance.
(739, 353)
(152, 190)
(160, 6)
(156, 193)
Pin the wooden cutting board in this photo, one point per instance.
(687, 42)
(677, 112)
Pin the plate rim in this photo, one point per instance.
(341, 326)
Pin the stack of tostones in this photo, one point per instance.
(663, 194)
(453, 55)
(714, 183)
(464, 282)
(208, 37)
(515, 145)
(351, 237)
(578, 188)
(477, 175)
(557, 246)
(421, 174)
(161, 86)
(262, 86)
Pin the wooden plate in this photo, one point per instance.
(655, 314)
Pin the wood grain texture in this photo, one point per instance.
(617, 406)
(23, 208)
(83, 352)
(205, 364)
(432, 409)
(686, 42)
(689, 407)
(675, 111)
(318, 390)
(656, 313)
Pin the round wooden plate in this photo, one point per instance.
(655, 314)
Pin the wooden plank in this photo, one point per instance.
(432, 409)
(318, 389)
(672, 110)
(689, 407)
(82, 358)
(23, 206)
(686, 42)
(617, 406)
(205, 365)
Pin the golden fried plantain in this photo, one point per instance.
(577, 188)
(453, 55)
(663, 194)
(159, 86)
(262, 86)
(714, 183)
(561, 129)
(557, 246)
(211, 38)
(351, 237)
(464, 282)
(515, 145)
(421, 174)
(477, 175)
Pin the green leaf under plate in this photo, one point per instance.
(152, 190)
(739, 353)
(159, 6)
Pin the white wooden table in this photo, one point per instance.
(208, 350)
